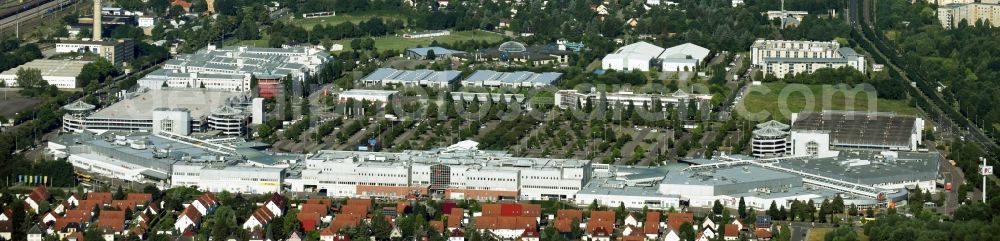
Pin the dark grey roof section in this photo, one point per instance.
(871, 167)
(859, 128)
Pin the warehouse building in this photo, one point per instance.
(377, 96)
(779, 58)
(423, 53)
(177, 111)
(490, 78)
(643, 56)
(172, 161)
(460, 171)
(218, 177)
(230, 68)
(825, 133)
(573, 98)
(61, 73)
(422, 77)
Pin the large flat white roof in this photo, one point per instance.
(200, 102)
(51, 68)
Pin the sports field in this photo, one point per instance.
(308, 23)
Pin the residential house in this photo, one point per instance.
(262, 216)
(763, 234)
(676, 220)
(631, 219)
(35, 233)
(600, 234)
(189, 218)
(530, 235)
(708, 223)
(6, 214)
(456, 235)
(6, 229)
(38, 195)
(74, 200)
(671, 236)
(651, 227)
(103, 198)
(731, 232)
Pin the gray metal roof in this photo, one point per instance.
(519, 77)
(871, 167)
(439, 51)
(859, 128)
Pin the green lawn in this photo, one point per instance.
(819, 234)
(308, 23)
(757, 101)
(400, 43)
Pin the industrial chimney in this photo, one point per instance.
(97, 20)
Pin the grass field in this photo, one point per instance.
(400, 43)
(308, 23)
(757, 101)
(819, 234)
(11, 102)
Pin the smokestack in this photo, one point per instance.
(97, 20)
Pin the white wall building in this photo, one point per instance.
(459, 171)
(237, 179)
(61, 73)
(642, 55)
(230, 68)
(781, 57)
(378, 96)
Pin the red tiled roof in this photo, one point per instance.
(141, 198)
(602, 215)
(652, 224)
(531, 210)
(569, 214)
(101, 197)
(357, 210)
(192, 213)
(402, 206)
(113, 223)
(564, 225)
(437, 225)
(319, 201)
(510, 209)
(732, 230)
(596, 225)
(315, 208)
(455, 217)
(763, 233)
(675, 220)
(40, 193)
(309, 221)
(263, 215)
(491, 210)
(367, 203)
(505, 222)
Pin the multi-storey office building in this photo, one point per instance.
(231, 68)
(781, 57)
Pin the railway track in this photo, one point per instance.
(29, 17)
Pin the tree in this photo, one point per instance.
(742, 210)
(380, 226)
(31, 82)
(430, 55)
(773, 211)
(225, 222)
(119, 194)
(717, 208)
